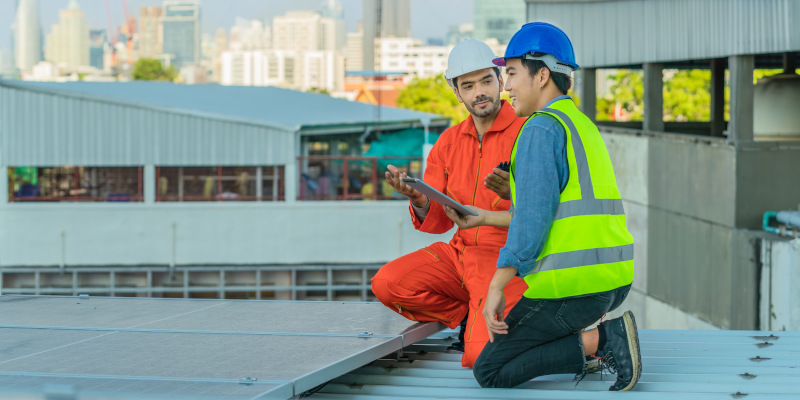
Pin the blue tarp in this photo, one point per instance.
(407, 142)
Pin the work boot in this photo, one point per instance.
(458, 347)
(621, 351)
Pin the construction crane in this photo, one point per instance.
(112, 39)
(128, 28)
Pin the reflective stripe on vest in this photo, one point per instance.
(588, 249)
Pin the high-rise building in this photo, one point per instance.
(332, 9)
(98, 43)
(498, 19)
(297, 30)
(260, 68)
(7, 68)
(408, 55)
(27, 35)
(68, 41)
(180, 25)
(220, 46)
(250, 35)
(151, 38)
(384, 18)
(320, 43)
(293, 69)
(458, 33)
(354, 53)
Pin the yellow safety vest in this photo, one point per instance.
(588, 249)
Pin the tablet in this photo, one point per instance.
(437, 196)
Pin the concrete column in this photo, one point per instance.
(717, 96)
(260, 182)
(653, 97)
(740, 128)
(587, 90)
(150, 184)
(291, 175)
(4, 184)
(789, 62)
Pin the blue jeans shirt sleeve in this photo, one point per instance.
(540, 174)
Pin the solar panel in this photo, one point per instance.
(159, 348)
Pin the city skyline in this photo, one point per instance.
(428, 19)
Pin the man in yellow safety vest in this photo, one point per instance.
(567, 233)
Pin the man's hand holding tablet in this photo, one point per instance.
(437, 196)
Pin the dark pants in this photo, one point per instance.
(544, 337)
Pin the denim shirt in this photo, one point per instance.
(540, 174)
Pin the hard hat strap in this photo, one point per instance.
(552, 63)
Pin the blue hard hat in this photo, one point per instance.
(540, 37)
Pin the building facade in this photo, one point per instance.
(383, 18)
(354, 51)
(160, 189)
(98, 45)
(180, 26)
(302, 70)
(304, 50)
(151, 36)
(498, 19)
(68, 41)
(27, 35)
(408, 55)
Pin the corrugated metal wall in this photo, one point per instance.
(94, 133)
(626, 32)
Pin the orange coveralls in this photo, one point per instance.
(445, 281)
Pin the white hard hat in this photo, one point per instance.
(468, 56)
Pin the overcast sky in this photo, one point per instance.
(429, 18)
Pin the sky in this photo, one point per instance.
(429, 18)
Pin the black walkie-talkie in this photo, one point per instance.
(505, 166)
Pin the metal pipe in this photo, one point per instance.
(791, 218)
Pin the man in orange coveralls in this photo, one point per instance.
(447, 281)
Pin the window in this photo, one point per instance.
(70, 183)
(351, 177)
(219, 183)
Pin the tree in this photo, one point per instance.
(150, 69)
(432, 95)
(624, 100)
(687, 95)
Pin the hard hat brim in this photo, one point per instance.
(499, 61)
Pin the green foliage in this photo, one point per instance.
(687, 95)
(320, 91)
(150, 69)
(624, 100)
(432, 95)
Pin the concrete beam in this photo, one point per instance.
(717, 96)
(740, 128)
(653, 97)
(587, 91)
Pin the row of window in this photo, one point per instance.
(319, 178)
(71, 183)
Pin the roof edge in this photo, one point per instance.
(146, 106)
